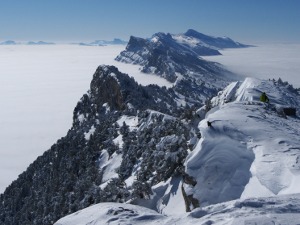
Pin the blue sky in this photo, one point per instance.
(87, 20)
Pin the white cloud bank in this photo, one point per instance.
(264, 61)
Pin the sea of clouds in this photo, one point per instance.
(40, 86)
(265, 61)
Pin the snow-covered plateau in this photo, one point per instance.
(246, 166)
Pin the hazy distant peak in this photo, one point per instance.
(194, 33)
(217, 42)
(40, 43)
(9, 42)
(115, 41)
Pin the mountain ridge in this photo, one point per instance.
(217, 42)
(172, 56)
(153, 146)
(68, 176)
(239, 174)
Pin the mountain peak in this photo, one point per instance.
(40, 43)
(170, 56)
(194, 33)
(106, 87)
(217, 42)
(9, 42)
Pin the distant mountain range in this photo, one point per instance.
(40, 43)
(116, 41)
(9, 42)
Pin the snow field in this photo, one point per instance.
(272, 210)
(265, 61)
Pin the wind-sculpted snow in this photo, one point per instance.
(251, 148)
(112, 213)
(220, 164)
(273, 210)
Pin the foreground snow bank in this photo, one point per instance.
(251, 149)
(273, 210)
(111, 213)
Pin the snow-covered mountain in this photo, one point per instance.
(97, 160)
(192, 152)
(9, 42)
(194, 37)
(245, 167)
(174, 56)
(250, 153)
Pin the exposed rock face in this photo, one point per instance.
(106, 89)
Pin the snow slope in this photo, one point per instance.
(279, 210)
(251, 149)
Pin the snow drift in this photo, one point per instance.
(279, 210)
(252, 149)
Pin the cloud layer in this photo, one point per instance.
(264, 61)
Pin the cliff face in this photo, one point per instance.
(106, 89)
